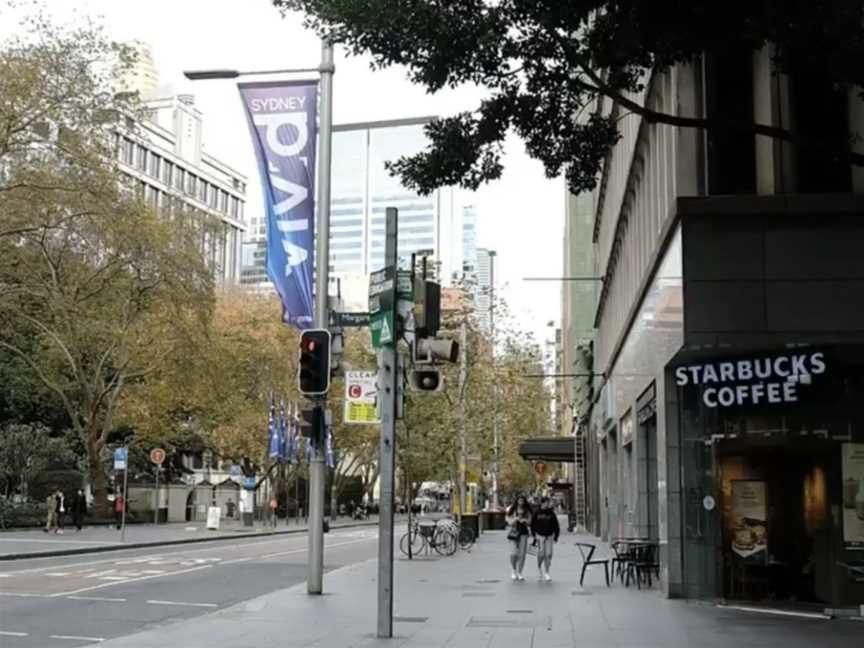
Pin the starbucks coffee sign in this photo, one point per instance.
(756, 381)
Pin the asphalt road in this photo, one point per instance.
(81, 600)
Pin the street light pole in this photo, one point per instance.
(496, 504)
(315, 566)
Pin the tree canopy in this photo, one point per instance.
(545, 63)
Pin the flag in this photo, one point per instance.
(272, 430)
(282, 122)
(294, 438)
(283, 432)
(329, 456)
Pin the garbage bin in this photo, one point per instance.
(497, 520)
(471, 521)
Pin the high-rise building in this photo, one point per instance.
(483, 286)
(469, 241)
(163, 158)
(142, 76)
(361, 190)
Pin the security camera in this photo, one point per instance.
(430, 350)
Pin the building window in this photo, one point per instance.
(127, 151)
(214, 197)
(223, 202)
(235, 207)
(141, 159)
(191, 184)
(167, 170)
(202, 191)
(179, 177)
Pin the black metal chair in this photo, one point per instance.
(622, 556)
(645, 561)
(587, 552)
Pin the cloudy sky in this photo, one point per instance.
(521, 216)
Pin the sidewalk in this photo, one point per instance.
(468, 601)
(34, 543)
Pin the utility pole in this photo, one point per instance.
(315, 566)
(463, 436)
(495, 465)
(388, 377)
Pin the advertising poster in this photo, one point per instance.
(749, 514)
(853, 494)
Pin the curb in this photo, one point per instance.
(168, 543)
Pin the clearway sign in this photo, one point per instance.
(361, 392)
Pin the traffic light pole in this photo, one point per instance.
(315, 566)
(388, 376)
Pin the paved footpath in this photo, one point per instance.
(32, 543)
(469, 601)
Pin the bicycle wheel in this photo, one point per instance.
(466, 537)
(444, 542)
(416, 541)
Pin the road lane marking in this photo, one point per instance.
(12, 634)
(207, 605)
(25, 594)
(77, 638)
(58, 573)
(103, 599)
(292, 551)
(128, 580)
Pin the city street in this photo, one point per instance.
(76, 600)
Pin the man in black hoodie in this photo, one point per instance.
(545, 530)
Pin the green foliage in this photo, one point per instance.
(27, 454)
(21, 513)
(91, 277)
(547, 64)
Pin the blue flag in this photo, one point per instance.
(272, 431)
(283, 433)
(281, 117)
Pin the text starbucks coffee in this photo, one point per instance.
(752, 381)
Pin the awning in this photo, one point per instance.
(555, 448)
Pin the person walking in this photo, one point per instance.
(544, 524)
(79, 509)
(519, 521)
(119, 505)
(50, 512)
(61, 511)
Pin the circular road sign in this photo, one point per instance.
(157, 456)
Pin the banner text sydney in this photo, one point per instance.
(281, 118)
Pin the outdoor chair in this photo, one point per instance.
(620, 561)
(644, 561)
(587, 552)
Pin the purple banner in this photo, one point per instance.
(281, 118)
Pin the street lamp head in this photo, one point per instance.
(206, 75)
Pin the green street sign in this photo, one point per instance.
(382, 326)
(404, 286)
(382, 306)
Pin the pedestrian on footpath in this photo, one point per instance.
(119, 505)
(61, 510)
(545, 525)
(519, 521)
(79, 509)
(50, 512)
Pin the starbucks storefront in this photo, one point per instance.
(772, 469)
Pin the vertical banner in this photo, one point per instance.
(853, 494)
(281, 117)
(749, 524)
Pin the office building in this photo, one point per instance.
(484, 286)
(163, 158)
(724, 421)
(361, 190)
(469, 242)
(142, 76)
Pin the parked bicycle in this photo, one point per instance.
(465, 535)
(426, 536)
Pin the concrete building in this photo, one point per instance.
(164, 160)
(361, 190)
(142, 76)
(484, 276)
(724, 420)
(469, 242)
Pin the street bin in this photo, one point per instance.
(471, 521)
(494, 520)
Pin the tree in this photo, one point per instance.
(26, 451)
(90, 277)
(546, 63)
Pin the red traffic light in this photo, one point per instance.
(314, 364)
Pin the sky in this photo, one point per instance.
(520, 216)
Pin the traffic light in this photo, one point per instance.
(427, 307)
(312, 421)
(426, 380)
(314, 372)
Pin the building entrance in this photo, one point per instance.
(777, 535)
